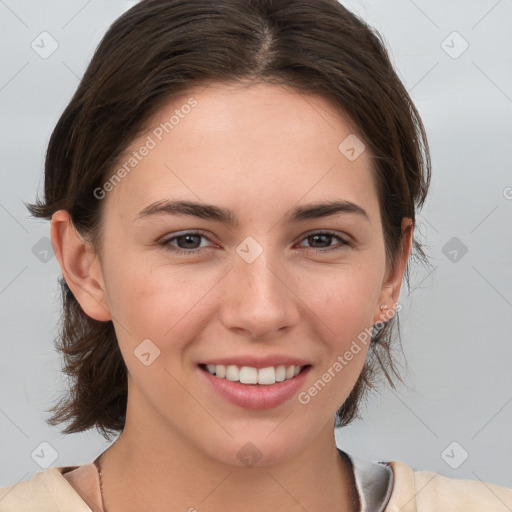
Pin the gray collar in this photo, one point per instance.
(373, 480)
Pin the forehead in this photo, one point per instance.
(243, 146)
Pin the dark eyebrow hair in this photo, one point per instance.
(207, 211)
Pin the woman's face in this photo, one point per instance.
(185, 287)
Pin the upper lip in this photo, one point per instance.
(258, 361)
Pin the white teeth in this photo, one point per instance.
(266, 375)
(280, 373)
(250, 375)
(232, 373)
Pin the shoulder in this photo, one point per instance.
(47, 490)
(426, 491)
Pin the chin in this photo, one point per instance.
(257, 448)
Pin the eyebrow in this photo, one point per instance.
(211, 212)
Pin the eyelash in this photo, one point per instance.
(166, 243)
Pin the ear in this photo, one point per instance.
(390, 291)
(80, 266)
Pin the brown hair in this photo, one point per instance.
(161, 48)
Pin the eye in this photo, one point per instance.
(187, 242)
(324, 239)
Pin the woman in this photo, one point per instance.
(233, 192)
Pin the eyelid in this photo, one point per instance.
(342, 235)
(185, 232)
(345, 240)
(166, 239)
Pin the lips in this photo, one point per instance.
(255, 396)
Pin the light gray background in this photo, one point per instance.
(457, 320)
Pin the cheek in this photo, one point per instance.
(343, 297)
(160, 302)
(344, 304)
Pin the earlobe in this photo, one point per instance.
(390, 292)
(80, 266)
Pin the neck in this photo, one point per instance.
(153, 467)
(141, 479)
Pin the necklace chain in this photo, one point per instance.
(97, 463)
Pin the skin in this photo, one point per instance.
(258, 151)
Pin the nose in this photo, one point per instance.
(258, 298)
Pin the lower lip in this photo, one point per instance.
(256, 396)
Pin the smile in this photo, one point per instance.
(250, 375)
